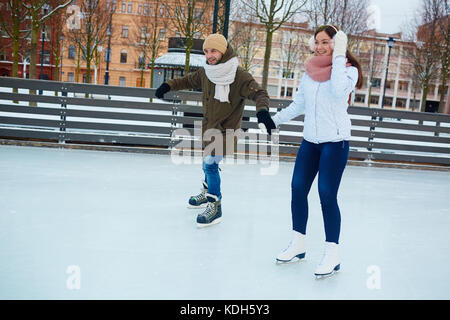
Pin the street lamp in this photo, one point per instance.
(41, 75)
(109, 33)
(390, 43)
(226, 3)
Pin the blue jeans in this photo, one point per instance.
(212, 177)
(329, 160)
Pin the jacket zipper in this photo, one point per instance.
(315, 111)
(335, 122)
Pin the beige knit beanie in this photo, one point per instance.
(216, 41)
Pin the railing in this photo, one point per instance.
(98, 116)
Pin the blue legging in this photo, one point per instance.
(329, 159)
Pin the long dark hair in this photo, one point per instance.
(331, 31)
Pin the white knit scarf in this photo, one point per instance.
(222, 75)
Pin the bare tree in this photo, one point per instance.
(191, 18)
(442, 8)
(243, 35)
(92, 32)
(147, 37)
(424, 29)
(12, 19)
(350, 16)
(39, 12)
(293, 49)
(272, 15)
(372, 64)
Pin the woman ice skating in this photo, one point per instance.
(323, 96)
(225, 87)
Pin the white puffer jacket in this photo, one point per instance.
(324, 104)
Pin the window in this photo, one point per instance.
(140, 8)
(124, 7)
(140, 83)
(414, 104)
(71, 52)
(144, 33)
(71, 77)
(3, 56)
(403, 85)
(387, 101)
(141, 61)
(390, 84)
(161, 10)
(374, 99)
(287, 74)
(400, 103)
(124, 32)
(162, 34)
(379, 49)
(440, 89)
(376, 82)
(130, 7)
(108, 54)
(123, 56)
(46, 34)
(288, 92)
(46, 57)
(395, 51)
(360, 98)
(122, 82)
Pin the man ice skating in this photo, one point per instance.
(225, 87)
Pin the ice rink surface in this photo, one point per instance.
(78, 224)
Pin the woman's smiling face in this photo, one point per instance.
(322, 44)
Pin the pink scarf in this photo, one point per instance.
(319, 67)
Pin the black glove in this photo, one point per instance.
(265, 118)
(164, 88)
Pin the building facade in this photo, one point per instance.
(132, 27)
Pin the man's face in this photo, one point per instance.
(213, 56)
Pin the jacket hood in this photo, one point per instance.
(228, 54)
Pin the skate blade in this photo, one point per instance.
(297, 258)
(202, 206)
(204, 225)
(327, 275)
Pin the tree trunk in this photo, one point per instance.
(269, 36)
(189, 45)
(424, 97)
(33, 57)
(16, 46)
(443, 83)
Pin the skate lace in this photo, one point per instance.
(209, 212)
(200, 196)
(289, 246)
(324, 258)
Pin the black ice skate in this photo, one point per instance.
(200, 200)
(212, 213)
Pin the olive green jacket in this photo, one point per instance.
(223, 115)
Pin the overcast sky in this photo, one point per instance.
(392, 14)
